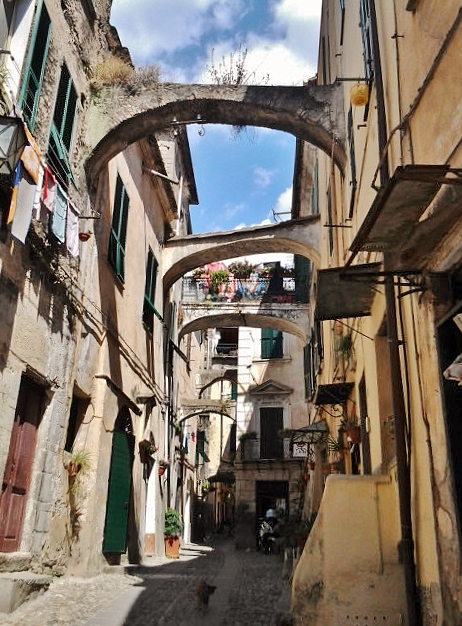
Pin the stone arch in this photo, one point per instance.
(237, 319)
(201, 411)
(311, 113)
(182, 254)
(217, 379)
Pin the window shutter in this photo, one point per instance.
(35, 66)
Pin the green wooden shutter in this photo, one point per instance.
(118, 234)
(271, 344)
(35, 65)
(118, 499)
(149, 292)
(61, 128)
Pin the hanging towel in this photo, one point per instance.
(14, 195)
(72, 230)
(30, 157)
(38, 194)
(24, 206)
(49, 190)
(58, 223)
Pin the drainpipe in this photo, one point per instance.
(406, 544)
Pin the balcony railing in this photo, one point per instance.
(237, 290)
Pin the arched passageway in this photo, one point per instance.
(289, 318)
(120, 118)
(182, 254)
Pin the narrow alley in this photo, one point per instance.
(252, 588)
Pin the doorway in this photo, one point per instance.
(120, 486)
(18, 469)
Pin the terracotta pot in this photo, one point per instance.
(161, 470)
(172, 547)
(84, 236)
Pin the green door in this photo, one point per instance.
(118, 500)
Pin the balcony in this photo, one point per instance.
(197, 290)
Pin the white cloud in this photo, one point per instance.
(150, 28)
(262, 177)
(284, 204)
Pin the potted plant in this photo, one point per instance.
(352, 429)
(241, 269)
(163, 464)
(79, 462)
(249, 443)
(201, 272)
(218, 278)
(173, 526)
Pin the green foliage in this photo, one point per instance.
(217, 278)
(241, 269)
(249, 435)
(173, 524)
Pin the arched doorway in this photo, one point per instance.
(119, 485)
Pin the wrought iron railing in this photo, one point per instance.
(237, 289)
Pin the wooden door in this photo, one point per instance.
(119, 492)
(18, 470)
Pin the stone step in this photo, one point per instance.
(17, 587)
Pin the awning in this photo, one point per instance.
(334, 393)
(313, 433)
(398, 207)
(345, 292)
(223, 476)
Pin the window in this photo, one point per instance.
(365, 25)
(313, 354)
(200, 448)
(76, 415)
(149, 292)
(271, 344)
(118, 234)
(271, 422)
(62, 127)
(35, 66)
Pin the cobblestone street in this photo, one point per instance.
(250, 591)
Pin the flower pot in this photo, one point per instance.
(84, 236)
(73, 468)
(161, 470)
(172, 547)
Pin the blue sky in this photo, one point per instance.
(240, 180)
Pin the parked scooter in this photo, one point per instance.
(267, 532)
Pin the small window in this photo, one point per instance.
(35, 67)
(271, 344)
(76, 415)
(149, 292)
(118, 234)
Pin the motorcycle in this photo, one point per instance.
(266, 536)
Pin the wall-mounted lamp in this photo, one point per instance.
(12, 142)
(359, 94)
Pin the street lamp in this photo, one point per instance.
(12, 141)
